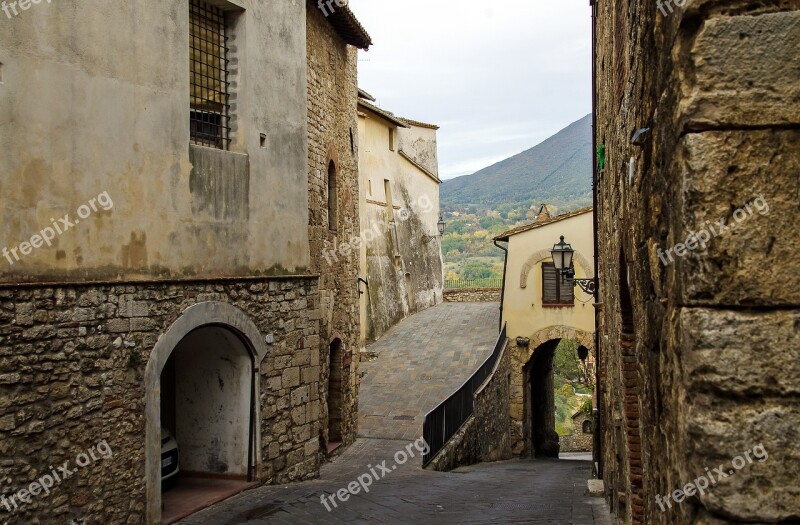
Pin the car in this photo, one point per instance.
(170, 458)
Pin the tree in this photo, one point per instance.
(568, 367)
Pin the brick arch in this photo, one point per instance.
(543, 255)
(584, 338)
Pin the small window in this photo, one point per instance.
(391, 139)
(332, 200)
(556, 289)
(369, 187)
(587, 427)
(209, 120)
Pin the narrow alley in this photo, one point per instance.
(415, 365)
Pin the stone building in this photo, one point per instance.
(697, 120)
(539, 309)
(163, 210)
(400, 245)
(334, 218)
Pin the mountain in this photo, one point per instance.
(557, 172)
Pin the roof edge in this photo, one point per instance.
(532, 226)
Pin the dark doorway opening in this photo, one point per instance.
(207, 421)
(336, 365)
(543, 442)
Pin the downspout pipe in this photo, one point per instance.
(503, 286)
(599, 423)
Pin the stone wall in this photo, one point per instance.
(332, 122)
(472, 295)
(576, 443)
(694, 369)
(486, 435)
(72, 373)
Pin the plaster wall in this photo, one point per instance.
(95, 98)
(213, 372)
(402, 254)
(523, 311)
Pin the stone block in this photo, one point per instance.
(718, 345)
(725, 173)
(291, 377)
(742, 73)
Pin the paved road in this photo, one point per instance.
(421, 361)
(524, 491)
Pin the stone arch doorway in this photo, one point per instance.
(533, 399)
(335, 373)
(207, 363)
(541, 439)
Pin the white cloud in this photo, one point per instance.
(499, 79)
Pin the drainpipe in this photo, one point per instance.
(503, 286)
(599, 426)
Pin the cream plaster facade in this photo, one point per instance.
(399, 209)
(534, 328)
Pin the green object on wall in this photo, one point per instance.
(601, 157)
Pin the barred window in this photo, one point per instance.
(209, 118)
(555, 289)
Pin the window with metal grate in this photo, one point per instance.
(208, 76)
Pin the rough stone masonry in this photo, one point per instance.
(698, 358)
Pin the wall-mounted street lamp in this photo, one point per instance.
(562, 258)
(440, 226)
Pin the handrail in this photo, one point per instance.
(442, 423)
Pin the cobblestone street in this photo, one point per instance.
(527, 491)
(419, 362)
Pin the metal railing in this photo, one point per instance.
(451, 284)
(443, 422)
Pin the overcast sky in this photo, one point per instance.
(498, 77)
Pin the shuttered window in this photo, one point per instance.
(555, 290)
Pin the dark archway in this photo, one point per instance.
(207, 404)
(336, 365)
(332, 197)
(205, 314)
(543, 442)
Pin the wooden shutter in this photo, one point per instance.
(566, 292)
(549, 284)
(555, 290)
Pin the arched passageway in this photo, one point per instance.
(201, 392)
(543, 439)
(207, 404)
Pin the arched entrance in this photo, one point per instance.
(536, 418)
(202, 387)
(542, 437)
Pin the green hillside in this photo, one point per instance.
(477, 207)
(558, 171)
